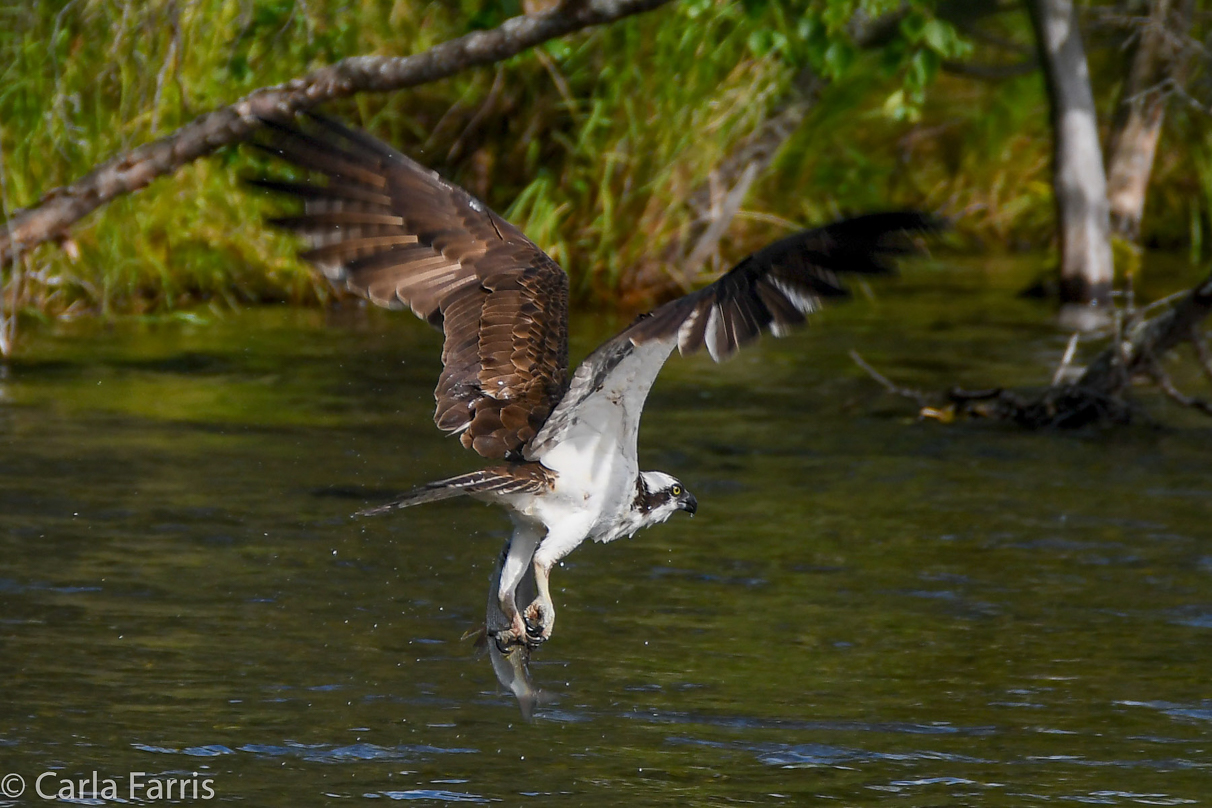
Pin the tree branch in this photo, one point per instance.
(1162, 380)
(1098, 395)
(922, 400)
(62, 207)
(1200, 343)
(1113, 369)
(717, 201)
(991, 72)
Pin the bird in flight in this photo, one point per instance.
(563, 445)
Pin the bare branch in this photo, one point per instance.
(1161, 303)
(991, 72)
(723, 211)
(1111, 370)
(1162, 380)
(989, 38)
(1062, 369)
(62, 207)
(8, 314)
(1200, 343)
(923, 401)
(1099, 394)
(480, 115)
(717, 202)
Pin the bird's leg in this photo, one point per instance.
(559, 542)
(517, 563)
(517, 626)
(540, 614)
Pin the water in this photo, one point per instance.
(865, 610)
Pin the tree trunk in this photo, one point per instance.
(1140, 112)
(1079, 184)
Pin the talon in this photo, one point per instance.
(516, 634)
(509, 639)
(540, 620)
(534, 632)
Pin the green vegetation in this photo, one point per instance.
(592, 143)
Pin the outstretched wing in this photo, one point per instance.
(773, 289)
(398, 234)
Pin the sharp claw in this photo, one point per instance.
(535, 630)
(505, 641)
(539, 620)
(510, 638)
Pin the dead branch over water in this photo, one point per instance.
(62, 207)
(1098, 394)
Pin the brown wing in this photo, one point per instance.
(398, 234)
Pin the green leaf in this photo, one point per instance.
(760, 42)
(558, 49)
(923, 67)
(938, 35)
(894, 103)
(913, 27)
(838, 57)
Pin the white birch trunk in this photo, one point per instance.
(1079, 182)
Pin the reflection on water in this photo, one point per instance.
(511, 664)
(864, 609)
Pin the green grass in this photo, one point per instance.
(591, 143)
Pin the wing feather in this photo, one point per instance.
(401, 236)
(773, 289)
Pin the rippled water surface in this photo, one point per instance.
(865, 610)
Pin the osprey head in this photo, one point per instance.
(658, 495)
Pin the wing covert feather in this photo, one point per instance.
(398, 234)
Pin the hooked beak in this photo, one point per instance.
(691, 504)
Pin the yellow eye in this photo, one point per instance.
(677, 490)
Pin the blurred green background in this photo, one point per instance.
(592, 143)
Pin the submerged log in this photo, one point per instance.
(1099, 394)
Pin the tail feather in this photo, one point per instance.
(513, 479)
(430, 492)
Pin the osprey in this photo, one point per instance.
(565, 446)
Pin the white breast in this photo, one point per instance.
(594, 455)
(595, 480)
